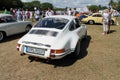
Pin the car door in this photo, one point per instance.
(99, 18)
(13, 27)
(95, 18)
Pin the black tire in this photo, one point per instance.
(91, 22)
(111, 22)
(2, 36)
(85, 36)
(28, 27)
(77, 50)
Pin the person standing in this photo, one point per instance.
(105, 20)
(75, 12)
(109, 19)
(70, 12)
(37, 15)
(11, 11)
(49, 12)
(23, 14)
(6, 11)
(19, 15)
(26, 12)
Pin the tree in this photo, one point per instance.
(46, 5)
(31, 5)
(7, 4)
(118, 5)
(36, 3)
(28, 5)
(93, 8)
(113, 4)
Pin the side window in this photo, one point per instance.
(72, 26)
(77, 23)
(94, 16)
(2, 20)
(99, 15)
(10, 19)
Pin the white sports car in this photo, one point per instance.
(9, 26)
(53, 37)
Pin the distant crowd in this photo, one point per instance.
(21, 14)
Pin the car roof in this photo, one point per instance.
(62, 16)
(96, 13)
(3, 15)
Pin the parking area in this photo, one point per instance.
(99, 60)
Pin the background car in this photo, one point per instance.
(96, 18)
(9, 26)
(53, 37)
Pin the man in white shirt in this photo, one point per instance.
(105, 21)
(37, 14)
(69, 12)
(49, 12)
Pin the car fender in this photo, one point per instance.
(62, 42)
(74, 41)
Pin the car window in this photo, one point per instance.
(99, 15)
(2, 20)
(94, 15)
(58, 23)
(77, 22)
(72, 26)
(44, 32)
(10, 19)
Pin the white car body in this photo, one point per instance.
(57, 43)
(10, 26)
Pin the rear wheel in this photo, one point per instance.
(91, 22)
(77, 49)
(85, 36)
(2, 36)
(28, 27)
(111, 22)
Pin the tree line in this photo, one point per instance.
(112, 4)
(7, 4)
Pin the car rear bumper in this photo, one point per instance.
(48, 56)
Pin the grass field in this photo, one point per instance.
(99, 60)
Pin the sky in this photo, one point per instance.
(74, 3)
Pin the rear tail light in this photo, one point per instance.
(60, 51)
(18, 46)
(53, 52)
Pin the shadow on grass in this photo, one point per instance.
(68, 60)
(112, 31)
(13, 37)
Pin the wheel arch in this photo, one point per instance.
(29, 25)
(5, 34)
(91, 20)
(112, 22)
(74, 42)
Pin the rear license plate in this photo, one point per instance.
(35, 50)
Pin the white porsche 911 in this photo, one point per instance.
(10, 26)
(53, 37)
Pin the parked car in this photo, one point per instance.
(53, 37)
(96, 18)
(9, 26)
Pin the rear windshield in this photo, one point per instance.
(44, 32)
(58, 23)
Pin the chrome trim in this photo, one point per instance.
(38, 44)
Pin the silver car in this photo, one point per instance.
(10, 26)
